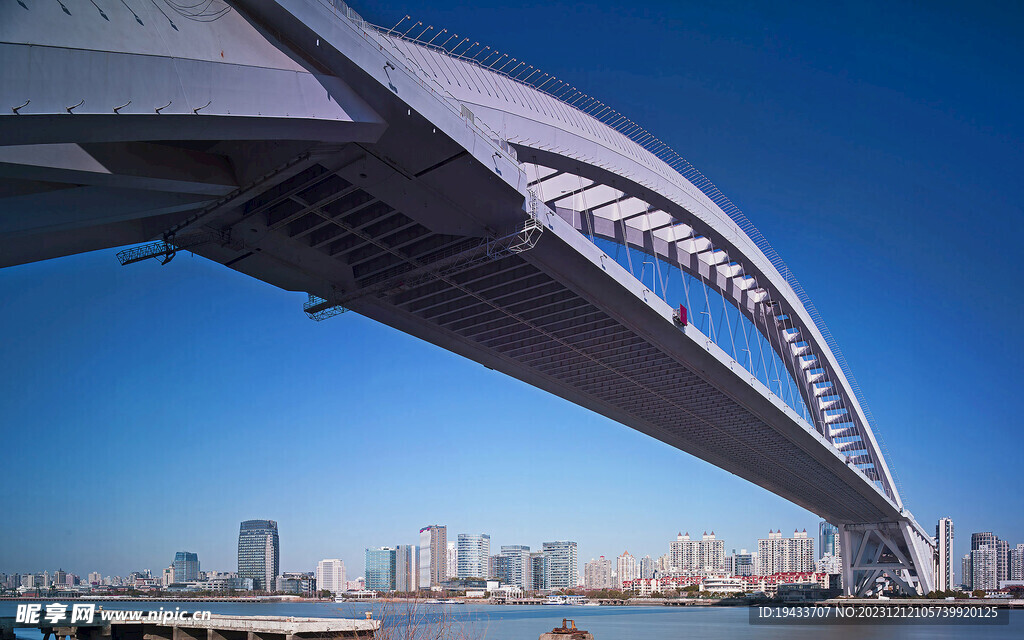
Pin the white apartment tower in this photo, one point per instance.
(776, 554)
(330, 575)
(625, 568)
(697, 557)
(597, 574)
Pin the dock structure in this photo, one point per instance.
(219, 627)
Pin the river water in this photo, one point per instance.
(485, 622)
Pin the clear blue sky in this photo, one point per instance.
(149, 409)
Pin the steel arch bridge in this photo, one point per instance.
(457, 194)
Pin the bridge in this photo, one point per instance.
(457, 194)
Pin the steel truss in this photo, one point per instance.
(454, 262)
(893, 551)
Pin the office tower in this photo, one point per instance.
(776, 554)
(380, 569)
(186, 567)
(168, 576)
(944, 555)
(539, 569)
(433, 555)
(407, 568)
(625, 568)
(1017, 562)
(330, 576)
(828, 539)
(646, 567)
(474, 555)
(966, 574)
(984, 568)
(597, 574)
(697, 557)
(259, 553)
(95, 578)
(513, 566)
(562, 571)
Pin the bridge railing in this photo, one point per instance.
(373, 33)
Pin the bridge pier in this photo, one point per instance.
(897, 551)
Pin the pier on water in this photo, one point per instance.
(215, 627)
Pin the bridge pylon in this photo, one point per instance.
(899, 551)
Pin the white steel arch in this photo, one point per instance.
(576, 148)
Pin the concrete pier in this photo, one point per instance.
(219, 627)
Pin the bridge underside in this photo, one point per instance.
(401, 215)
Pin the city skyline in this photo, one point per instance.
(390, 568)
(125, 342)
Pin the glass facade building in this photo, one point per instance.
(539, 570)
(186, 567)
(259, 553)
(380, 569)
(513, 566)
(828, 539)
(474, 555)
(562, 570)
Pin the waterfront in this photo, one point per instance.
(606, 623)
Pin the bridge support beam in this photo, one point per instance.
(894, 551)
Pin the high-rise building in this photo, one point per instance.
(380, 569)
(474, 555)
(513, 566)
(1017, 562)
(259, 553)
(966, 574)
(776, 554)
(664, 565)
(597, 574)
(95, 578)
(697, 557)
(944, 555)
(452, 565)
(407, 561)
(646, 567)
(982, 538)
(1002, 561)
(742, 563)
(539, 570)
(330, 576)
(433, 556)
(562, 571)
(828, 539)
(990, 563)
(186, 566)
(984, 568)
(167, 578)
(625, 568)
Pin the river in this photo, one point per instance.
(485, 622)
